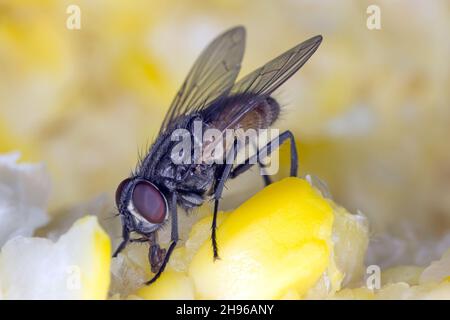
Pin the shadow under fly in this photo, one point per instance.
(210, 96)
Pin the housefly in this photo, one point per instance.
(210, 95)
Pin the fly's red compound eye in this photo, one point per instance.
(149, 202)
(120, 189)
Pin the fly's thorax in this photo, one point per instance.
(197, 178)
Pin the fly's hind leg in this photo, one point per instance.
(262, 167)
(267, 149)
(265, 177)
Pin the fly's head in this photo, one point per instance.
(142, 206)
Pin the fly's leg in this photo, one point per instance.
(159, 257)
(123, 244)
(139, 240)
(265, 177)
(162, 258)
(268, 148)
(218, 194)
(156, 257)
(262, 166)
(213, 230)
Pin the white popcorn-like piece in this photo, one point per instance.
(24, 193)
(76, 266)
(438, 270)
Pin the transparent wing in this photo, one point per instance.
(212, 75)
(266, 79)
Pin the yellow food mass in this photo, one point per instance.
(95, 277)
(277, 245)
(277, 240)
(171, 286)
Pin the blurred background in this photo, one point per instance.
(370, 109)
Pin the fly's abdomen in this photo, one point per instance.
(246, 111)
(262, 116)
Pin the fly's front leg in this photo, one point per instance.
(159, 257)
(125, 237)
(268, 148)
(156, 254)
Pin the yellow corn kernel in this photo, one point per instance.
(172, 285)
(286, 242)
(277, 241)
